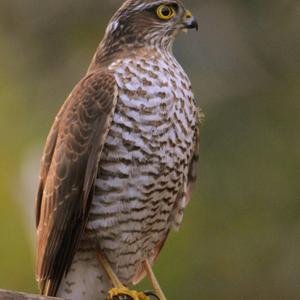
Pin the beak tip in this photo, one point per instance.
(193, 25)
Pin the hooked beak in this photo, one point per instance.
(190, 21)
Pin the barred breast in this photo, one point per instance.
(142, 176)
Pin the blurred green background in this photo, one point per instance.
(241, 234)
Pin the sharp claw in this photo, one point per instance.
(149, 293)
(126, 294)
(122, 297)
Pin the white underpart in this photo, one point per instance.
(85, 280)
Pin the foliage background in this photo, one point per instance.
(241, 234)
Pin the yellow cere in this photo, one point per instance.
(189, 14)
(165, 12)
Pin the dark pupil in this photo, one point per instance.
(165, 11)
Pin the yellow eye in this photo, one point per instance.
(165, 12)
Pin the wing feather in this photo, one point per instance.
(68, 171)
(192, 175)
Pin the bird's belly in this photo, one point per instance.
(134, 197)
(142, 170)
(137, 186)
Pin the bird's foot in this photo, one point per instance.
(120, 292)
(126, 294)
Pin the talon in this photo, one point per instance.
(150, 293)
(126, 294)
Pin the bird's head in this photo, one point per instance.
(149, 23)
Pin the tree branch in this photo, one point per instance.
(11, 295)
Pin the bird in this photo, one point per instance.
(120, 160)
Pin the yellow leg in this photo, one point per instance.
(111, 274)
(154, 281)
(119, 291)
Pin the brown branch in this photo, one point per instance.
(11, 295)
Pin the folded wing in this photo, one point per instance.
(68, 172)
